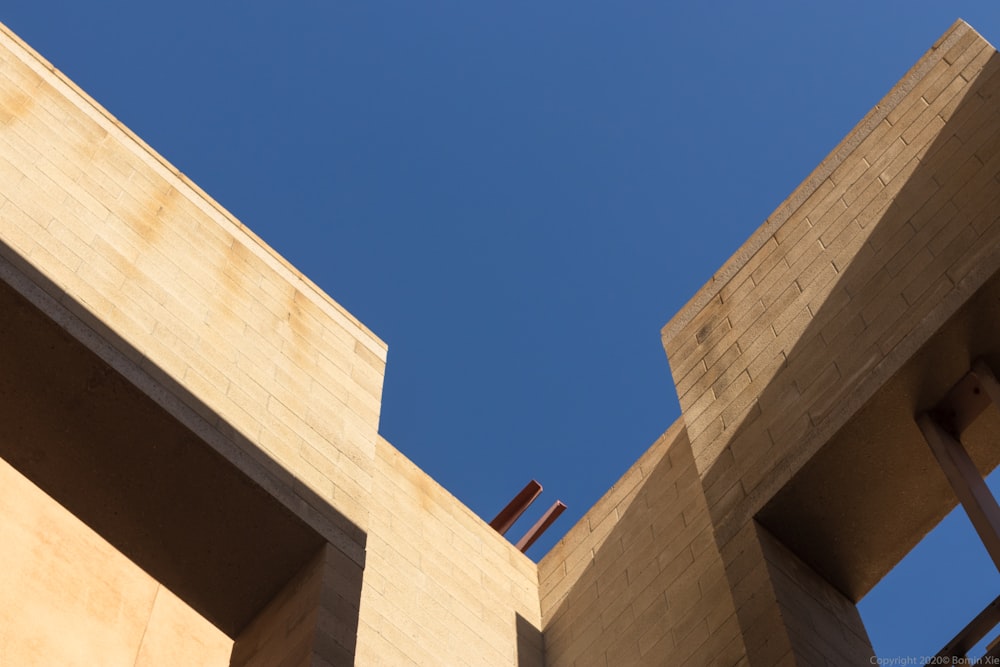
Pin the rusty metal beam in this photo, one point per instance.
(966, 481)
(541, 526)
(515, 508)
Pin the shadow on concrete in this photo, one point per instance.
(829, 458)
(846, 481)
(530, 648)
(654, 591)
(121, 463)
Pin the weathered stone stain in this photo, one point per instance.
(14, 107)
(301, 341)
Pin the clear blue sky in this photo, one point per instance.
(515, 196)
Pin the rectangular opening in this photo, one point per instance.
(929, 597)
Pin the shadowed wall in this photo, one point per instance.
(184, 409)
(799, 369)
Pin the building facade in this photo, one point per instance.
(191, 471)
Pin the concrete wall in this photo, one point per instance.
(191, 296)
(107, 239)
(845, 280)
(639, 580)
(844, 302)
(853, 296)
(440, 585)
(309, 622)
(123, 253)
(820, 310)
(823, 627)
(70, 598)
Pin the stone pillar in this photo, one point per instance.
(312, 621)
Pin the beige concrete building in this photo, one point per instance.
(191, 471)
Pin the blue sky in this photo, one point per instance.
(515, 196)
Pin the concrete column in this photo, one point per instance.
(788, 613)
(312, 621)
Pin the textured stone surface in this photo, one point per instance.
(189, 433)
(70, 598)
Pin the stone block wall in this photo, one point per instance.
(876, 249)
(869, 259)
(440, 584)
(110, 241)
(820, 310)
(70, 598)
(130, 246)
(639, 580)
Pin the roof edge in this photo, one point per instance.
(375, 344)
(865, 126)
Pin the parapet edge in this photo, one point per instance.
(710, 290)
(202, 199)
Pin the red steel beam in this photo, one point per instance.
(541, 526)
(515, 508)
